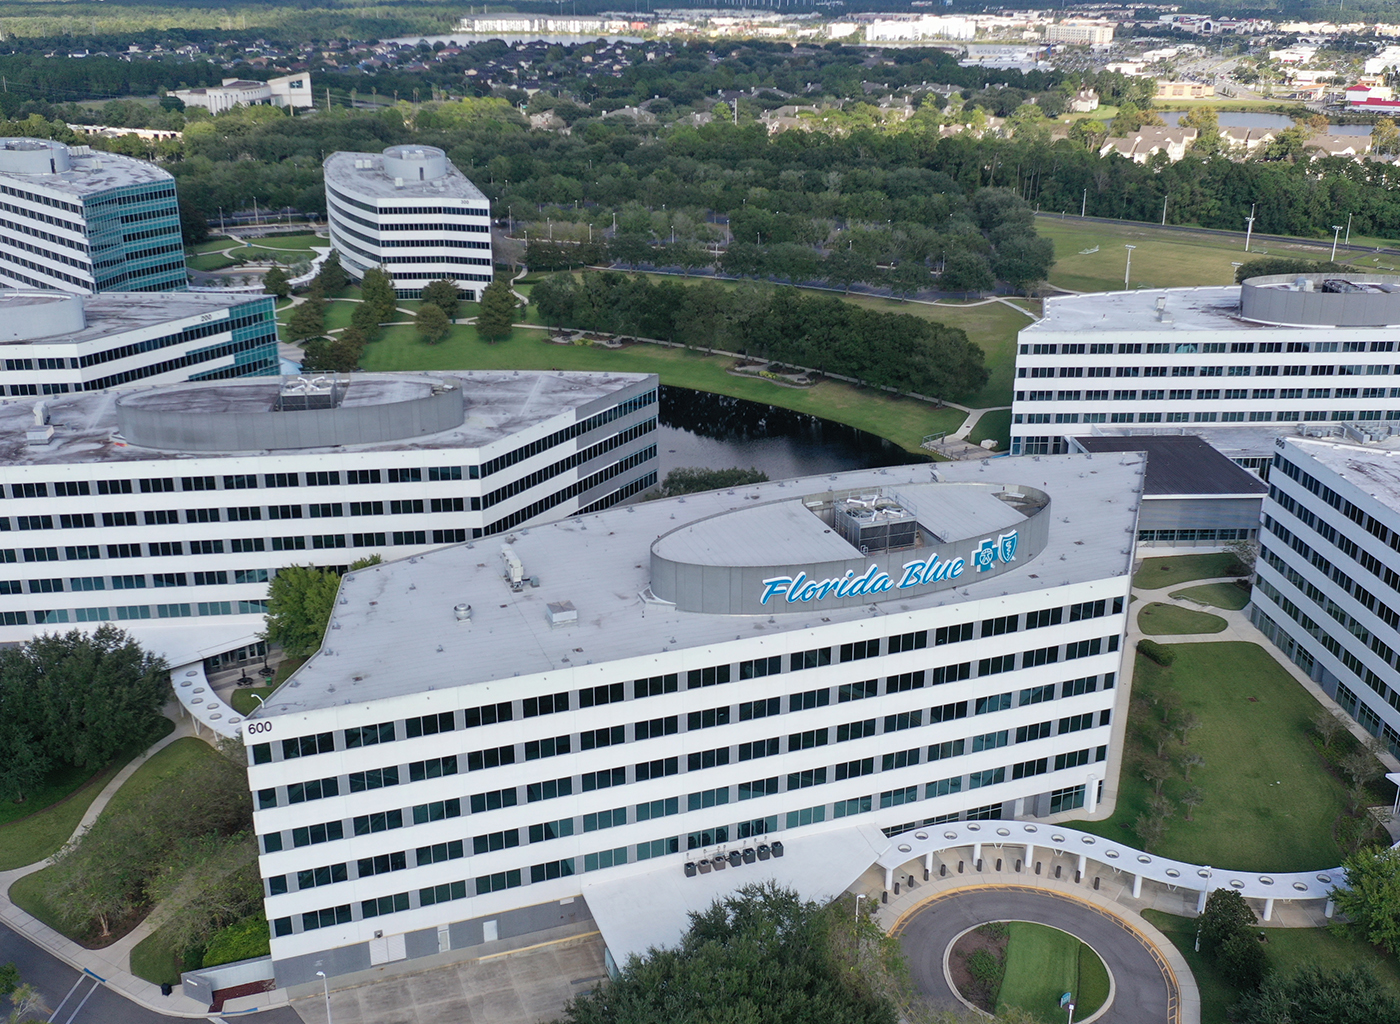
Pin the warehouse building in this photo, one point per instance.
(86, 222)
(411, 213)
(518, 736)
(1328, 593)
(174, 506)
(54, 343)
(1238, 366)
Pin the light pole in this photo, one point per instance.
(1164, 211)
(1336, 231)
(1249, 226)
(1084, 203)
(859, 896)
(1129, 268)
(1348, 238)
(326, 986)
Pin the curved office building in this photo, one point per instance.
(410, 212)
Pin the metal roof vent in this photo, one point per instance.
(561, 613)
(463, 612)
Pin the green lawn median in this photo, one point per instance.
(1174, 570)
(1231, 596)
(1158, 619)
(1043, 963)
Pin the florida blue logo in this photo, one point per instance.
(988, 553)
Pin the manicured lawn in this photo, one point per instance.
(1288, 948)
(996, 425)
(244, 700)
(902, 420)
(1162, 259)
(1042, 964)
(338, 314)
(1157, 573)
(52, 813)
(156, 960)
(1158, 619)
(209, 261)
(1218, 595)
(1269, 803)
(289, 243)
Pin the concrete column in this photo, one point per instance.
(1328, 909)
(1201, 902)
(1083, 865)
(928, 862)
(1269, 909)
(976, 852)
(889, 877)
(1137, 887)
(1091, 794)
(1030, 856)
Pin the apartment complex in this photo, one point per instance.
(1080, 33)
(289, 91)
(55, 343)
(411, 213)
(82, 221)
(644, 693)
(179, 503)
(1328, 593)
(1236, 365)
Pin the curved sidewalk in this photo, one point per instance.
(113, 963)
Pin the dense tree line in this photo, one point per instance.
(780, 324)
(74, 699)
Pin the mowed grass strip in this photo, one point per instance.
(46, 821)
(1174, 570)
(1167, 619)
(1269, 803)
(1042, 963)
(1217, 595)
(905, 421)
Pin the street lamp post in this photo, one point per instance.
(859, 896)
(1084, 203)
(1249, 227)
(1128, 269)
(1336, 231)
(326, 986)
(1348, 238)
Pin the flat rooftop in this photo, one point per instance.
(94, 172)
(1181, 464)
(109, 313)
(498, 402)
(1375, 470)
(402, 613)
(1237, 441)
(1186, 309)
(340, 170)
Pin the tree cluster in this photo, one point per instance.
(1371, 897)
(74, 699)
(1314, 994)
(299, 603)
(1229, 940)
(896, 350)
(1161, 729)
(693, 479)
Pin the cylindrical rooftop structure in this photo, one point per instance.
(33, 156)
(415, 163)
(1322, 300)
(28, 315)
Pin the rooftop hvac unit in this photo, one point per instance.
(561, 613)
(514, 568)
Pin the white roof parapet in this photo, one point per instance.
(1291, 885)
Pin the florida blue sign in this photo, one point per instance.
(801, 590)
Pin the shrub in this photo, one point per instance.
(242, 940)
(985, 968)
(1160, 653)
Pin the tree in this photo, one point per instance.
(1226, 914)
(499, 311)
(1361, 765)
(194, 228)
(909, 278)
(377, 290)
(1372, 895)
(1313, 994)
(966, 272)
(23, 763)
(299, 602)
(308, 319)
(1328, 723)
(693, 479)
(365, 317)
(445, 296)
(1192, 799)
(1028, 124)
(208, 883)
(1088, 132)
(1242, 960)
(1150, 830)
(1188, 761)
(275, 283)
(432, 323)
(1157, 771)
(1186, 725)
(1385, 137)
(344, 352)
(1024, 260)
(332, 276)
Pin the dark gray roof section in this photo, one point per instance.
(1180, 464)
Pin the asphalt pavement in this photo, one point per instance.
(1141, 994)
(70, 996)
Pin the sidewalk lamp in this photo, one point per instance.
(326, 986)
(1336, 231)
(859, 896)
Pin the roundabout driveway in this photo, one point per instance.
(1145, 990)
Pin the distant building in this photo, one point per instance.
(54, 343)
(409, 211)
(1080, 33)
(1167, 90)
(1083, 101)
(86, 222)
(1145, 143)
(1387, 60)
(291, 91)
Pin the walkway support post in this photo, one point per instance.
(1030, 856)
(1137, 887)
(1269, 909)
(889, 878)
(1083, 865)
(928, 862)
(1328, 910)
(976, 852)
(1201, 902)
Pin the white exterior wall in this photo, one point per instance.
(1012, 796)
(42, 245)
(1068, 385)
(1341, 622)
(25, 551)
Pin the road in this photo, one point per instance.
(1141, 995)
(73, 997)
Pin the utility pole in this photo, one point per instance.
(1249, 226)
(1084, 203)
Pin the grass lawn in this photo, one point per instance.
(53, 812)
(996, 425)
(1270, 803)
(243, 700)
(209, 261)
(1288, 948)
(903, 420)
(156, 960)
(338, 314)
(289, 243)
(1218, 595)
(1158, 619)
(1162, 259)
(1043, 963)
(1157, 573)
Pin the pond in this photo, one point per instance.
(1253, 119)
(718, 432)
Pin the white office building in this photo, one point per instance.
(173, 506)
(611, 706)
(82, 221)
(291, 92)
(1328, 589)
(1236, 365)
(411, 213)
(54, 343)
